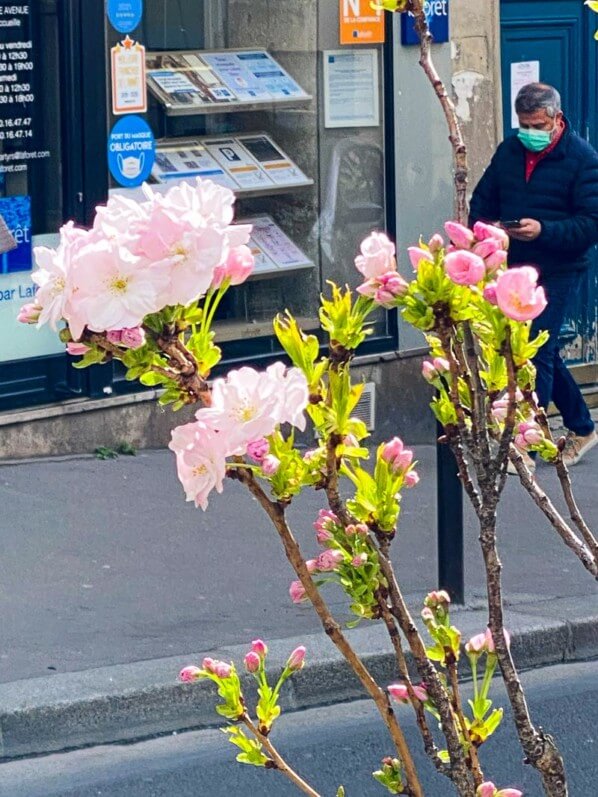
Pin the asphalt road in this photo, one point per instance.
(103, 562)
(328, 746)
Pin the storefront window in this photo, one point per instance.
(31, 199)
(263, 98)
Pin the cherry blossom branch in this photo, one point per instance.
(455, 135)
(276, 513)
(277, 761)
(576, 516)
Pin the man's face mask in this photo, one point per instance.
(536, 140)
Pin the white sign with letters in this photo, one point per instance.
(522, 73)
(351, 88)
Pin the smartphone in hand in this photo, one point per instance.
(511, 224)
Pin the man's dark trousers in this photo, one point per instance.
(554, 381)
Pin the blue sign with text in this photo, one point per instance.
(125, 15)
(16, 212)
(437, 14)
(131, 151)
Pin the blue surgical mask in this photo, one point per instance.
(535, 140)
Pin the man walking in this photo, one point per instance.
(542, 186)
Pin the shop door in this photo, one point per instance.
(51, 142)
(554, 39)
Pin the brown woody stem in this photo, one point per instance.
(278, 761)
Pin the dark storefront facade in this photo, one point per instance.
(285, 103)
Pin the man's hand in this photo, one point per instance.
(529, 230)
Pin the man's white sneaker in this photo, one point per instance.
(577, 446)
(531, 465)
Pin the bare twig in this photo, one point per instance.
(458, 709)
(277, 760)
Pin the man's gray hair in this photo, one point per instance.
(535, 96)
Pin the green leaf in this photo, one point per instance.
(92, 357)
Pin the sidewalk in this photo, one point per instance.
(104, 566)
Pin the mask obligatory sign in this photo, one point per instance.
(359, 23)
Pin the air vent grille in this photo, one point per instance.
(366, 406)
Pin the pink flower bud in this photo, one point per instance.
(257, 449)
(329, 560)
(490, 293)
(216, 667)
(477, 644)
(397, 456)
(461, 236)
(259, 647)
(325, 524)
(360, 560)
(531, 433)
(496, 261)
(312, 565)
(427, 615)
(487, 247)
(429, 373)
(490, 641)
(464, 268)
(188, 674)
(509, 793)
(76, 349)
(416, 255)
(441, 364)
(421, 693)
(484, 231)
(297, 659)
(252, 662)
(29, 313)
(238, 267)
(437, 598)
(399, 692)
(356, 530)
(486, 790)
(411, 479)
(390, 286)
(114, 336)
(270, 464)
(297, 592)
(500, 409)
(133, 338)
(435, 243)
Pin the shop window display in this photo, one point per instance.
(235, 91)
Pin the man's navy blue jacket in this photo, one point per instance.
(562, 194)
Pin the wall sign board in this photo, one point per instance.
(437, 14)
(360, 23)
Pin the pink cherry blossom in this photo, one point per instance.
(357, 530)
(483, 231)
(377, 256)
(397, 456)
(509, 793)
(29, 313)
(437, 598)
(113, 288)
(329, 560)
(530, 433)
(252, 662)
(464, 268)
(325, 522)
(76, 349)
(427, 615)
(461, 236)
(238, 267)
(189, 674)
(477, 644)
(216, 667)
(297, 592)
(201, 460)
(259, 646)
(518, 295)
(248, 404)
(133, 338)
(297, 659)
(490, 641)
(487, 789)
(312, 565)
(50, 277)
(359, 560)
(421, 693)
(257, 449)
(416, 255)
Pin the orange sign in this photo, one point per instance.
(360, 24)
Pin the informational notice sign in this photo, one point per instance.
(238, 163)
(17, 93)
(276, 245)
(188, 159)
(360, 23)
(277, 165)
(351, 88)
(522, 73)
(131, 151)
(124, 15)
(129, 88)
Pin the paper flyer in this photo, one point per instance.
(129, 88)
(238, 163)
(276, 244)
(273, 160)
(188, 161)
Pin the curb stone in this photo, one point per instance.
(133, 701)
